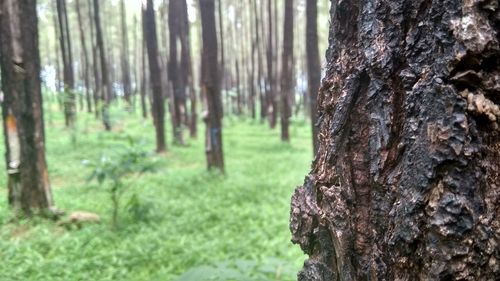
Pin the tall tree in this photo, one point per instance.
(313, 64)
(28, 181)
(106, 85)
(187, 65)
(175, 74)
(67, 56)
(85, 55)
(154, 71)
(287, 84)
(406, 181)
(125, 53)
(95, 61)
(210, 87)
(271, 91)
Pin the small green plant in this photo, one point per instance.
(133, 161)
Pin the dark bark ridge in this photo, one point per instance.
(406, 182)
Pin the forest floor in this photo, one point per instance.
(191, 224)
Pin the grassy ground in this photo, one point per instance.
(193, 225)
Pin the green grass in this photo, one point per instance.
(233, 224)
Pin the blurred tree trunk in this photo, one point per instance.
(126, 80)
(143, 93)
(85, 66)
(106, 85)
(57, 83)
(287, 84)
(95, 61)
(154, 71)
(271, 94)
(260, 64)
(69, 99)
(187, 67)
(28, 183)
(174, 70)
(222, 53)
(239, 98)
(210, 86)
(406, 181)
(313, 64)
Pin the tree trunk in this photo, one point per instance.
(106, 85)
(271, 94)
(95, 62)
(210, 87)
(154, 71)
(187, 67)
(406, 181)
(69, 99)
(86, 78)
(222, 53)
(126, 80)
(28, 183)
(287, 84)
(313, 65)
(174, 70)
(260, 64)
(143, 91)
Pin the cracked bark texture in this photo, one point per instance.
(406, 183)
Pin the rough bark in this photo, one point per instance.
(406, 182)
(287, 84)
(210, 87)
(106, 85)
(313, 65)
(154, 72)
(28, 182)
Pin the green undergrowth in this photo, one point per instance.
(179, 223)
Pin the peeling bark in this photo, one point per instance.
(406, 182)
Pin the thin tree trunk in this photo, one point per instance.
(68, 73)
(406, 181)
(187, 67)
(260, 64)
(210, 87)
(313, 65)
(174, 71)
(95, 61)
(144, 87)
(28, 182)
(154, 71)
(271, 94)
(106, 85)
(239, 98)
(85, 57)
(222, 40)
(287, 83)
(126, 81)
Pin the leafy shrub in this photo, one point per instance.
(134, 160)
